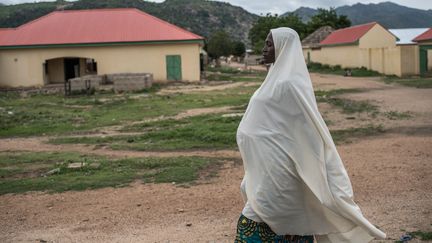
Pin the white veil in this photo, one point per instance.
(294, 178)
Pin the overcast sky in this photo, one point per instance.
(282, 6)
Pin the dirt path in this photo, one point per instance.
(390, 175)
(40, 145)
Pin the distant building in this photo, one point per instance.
(69, 44)
(312, 41)
(424, 41)
(368, 45)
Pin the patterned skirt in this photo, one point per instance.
(249, 231)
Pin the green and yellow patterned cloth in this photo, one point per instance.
(249, 231)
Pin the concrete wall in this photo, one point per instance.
(397, 60)
(345, 56)
(24, 67)
(55, 71)
(429, 59)
(377, 37)
(82, 67)
(376, 50)
(410, 60)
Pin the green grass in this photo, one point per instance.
(259, 77)
(424, 83)
(347, 106)
(198, 132)
(55, 114)
(230, 70)
(99, 171)
(395, 115)
(345, 136)
(235, 75)
(351, 106)
(422, 235)
(338, 70)
(219, 77)
(322, 94)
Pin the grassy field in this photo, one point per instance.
(149, 116)
(338, 70)
(24, 171)
(235, 75)
(55, 114)
(424, 83)
(198, 132)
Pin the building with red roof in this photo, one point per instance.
(347, 36)
(367, 45)
(62, 44)
(424, 37)
(425, 48)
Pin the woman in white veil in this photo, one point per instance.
(295, 185)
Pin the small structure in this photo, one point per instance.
(410, 55)
(424, 41)
(126, 82)
(68, 44)
(361, 46)
(312, 41)
(367, 45)
(120, 82)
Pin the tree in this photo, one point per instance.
(328, 18)
(262, 27)
(238, 48)
(219, 44)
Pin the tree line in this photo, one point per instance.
(221, 44)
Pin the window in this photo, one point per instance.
(91, 66)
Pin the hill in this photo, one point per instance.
(389, 14)
(198, 16)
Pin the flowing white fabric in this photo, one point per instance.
(294, 178)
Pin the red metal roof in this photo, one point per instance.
(94, 26)
(347, 35)
(425, 36)
(4, 31)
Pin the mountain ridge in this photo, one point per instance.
(206, 17)
(389, 14)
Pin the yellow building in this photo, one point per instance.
(69, 44)
(369, 45)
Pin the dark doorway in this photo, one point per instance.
(71, 67)
(424, 62)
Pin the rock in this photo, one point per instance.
(94, 165)
(76, 165)
(180, 210)
(233, 115)
(51, 172)
(189, 224)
